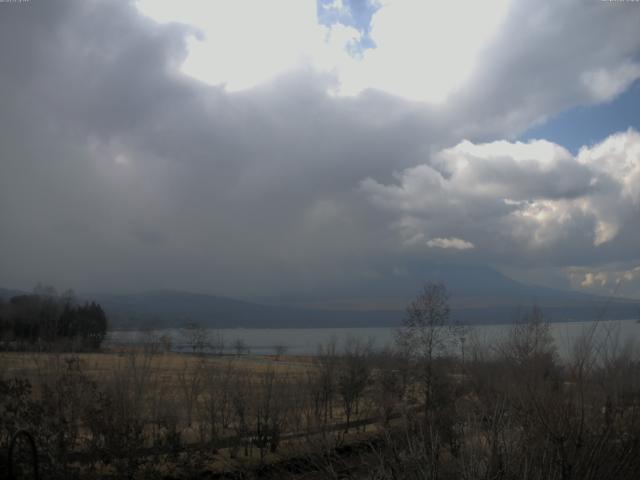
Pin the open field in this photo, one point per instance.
(500, 412)
(231, 412)
(98, 364)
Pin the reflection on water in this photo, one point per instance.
(305, 341)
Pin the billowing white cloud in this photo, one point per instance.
(617, 279)
(594, 278)
(453, 243)
(535, 195)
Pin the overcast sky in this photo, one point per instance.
(250, 148)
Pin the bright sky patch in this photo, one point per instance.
(418, 50)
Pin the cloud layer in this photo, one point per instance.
(120, 171)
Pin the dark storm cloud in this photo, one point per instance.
(112, 158)
(119, 172)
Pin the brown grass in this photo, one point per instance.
(168, 365)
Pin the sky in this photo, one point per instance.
(253, 148)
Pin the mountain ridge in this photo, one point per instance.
(479, 296)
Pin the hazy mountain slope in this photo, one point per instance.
(478, 295)
(164, 309)
(7, 293)
(170, 308)
(469, 286)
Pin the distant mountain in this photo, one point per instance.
(7, 293)
(394, 289)
(173, 309)
(165, 308)
(478, 295)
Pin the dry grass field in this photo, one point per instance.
(97, 365)
(514, 410)
(163, 409)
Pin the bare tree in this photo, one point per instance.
(216, 400)
(240, 346)
(217, 342)
(280, 350)
(530, 339)
(322, 380)
(390, 383)
(427, 332)
(166, 343)
(353, 377)
(240, 394)
(190, 380)
(197, 338)
(271, 402)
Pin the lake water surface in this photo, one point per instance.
(305, 341)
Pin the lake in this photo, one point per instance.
(305, 341)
